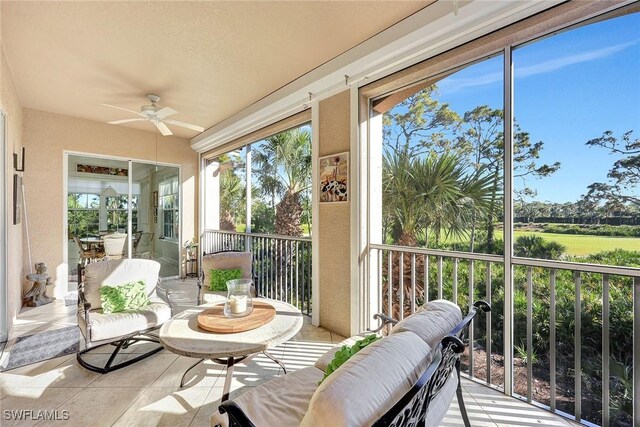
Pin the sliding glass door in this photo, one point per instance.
(122, 209)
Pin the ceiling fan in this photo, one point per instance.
(156, 115)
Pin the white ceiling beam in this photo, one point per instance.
(432, 30)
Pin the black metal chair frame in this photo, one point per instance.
(411, 410)
(119, 343)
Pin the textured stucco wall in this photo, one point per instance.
(335, 222)
(47, 135)
(13, 111)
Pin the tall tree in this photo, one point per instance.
(284, 167)
(420, 124)
(624, 175)
(232, 197)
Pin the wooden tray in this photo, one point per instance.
(214, 320)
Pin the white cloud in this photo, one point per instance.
(453, 85)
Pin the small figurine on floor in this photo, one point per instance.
(37, 295)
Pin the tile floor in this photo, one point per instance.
(148, 393)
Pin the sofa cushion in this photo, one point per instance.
(432, 322)
(345, 352)
(369, 383)
(113, 325)
(282, 401)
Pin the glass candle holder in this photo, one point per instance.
(239, 302)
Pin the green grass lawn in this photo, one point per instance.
(584, 245)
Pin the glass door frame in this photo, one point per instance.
(130, 162)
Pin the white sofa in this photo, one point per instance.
(364, 388)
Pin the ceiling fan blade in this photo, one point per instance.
(164, 130)
(165, 112)
(124, 109)
(184, 125)
(119, 122)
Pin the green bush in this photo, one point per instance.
(531, 246)
(593, 229)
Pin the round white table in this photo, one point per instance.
(182, 335)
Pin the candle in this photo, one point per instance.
(238, 304)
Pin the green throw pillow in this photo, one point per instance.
(124, 297)
(219, 278)
(346, 352)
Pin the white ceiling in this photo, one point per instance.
(207, 60)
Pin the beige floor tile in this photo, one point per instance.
(301, 354)
(138, 375)
(33, 399)
(97, 407)
(164, 407)
(337, 338)
(313, 334)
(205, 374)
(209, 406)
(71, 374)
(41, 374)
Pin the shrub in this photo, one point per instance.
(530, 246)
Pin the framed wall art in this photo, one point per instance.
(334, 178)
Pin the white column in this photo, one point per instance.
(315, 215)
(247, 172)
(373, 208)
(211, 199)
(102, 212)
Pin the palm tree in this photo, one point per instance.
(232, 194)
(441, 193)
(284, 168)
(437, 192)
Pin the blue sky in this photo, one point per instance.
(568, 89)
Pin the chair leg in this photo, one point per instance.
(109, 366)
(463, 409)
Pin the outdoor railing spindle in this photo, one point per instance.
(529, 332)
(472, 299)
(401, 286)
(413, 283)
(552, 340)
(439, 277)
(577, 352)
(605, 350)
(488, 322)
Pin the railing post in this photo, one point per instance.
(636, 351)
(508, 222)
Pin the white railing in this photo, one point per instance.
(281, 264)
(568, 318)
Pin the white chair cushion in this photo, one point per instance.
(114, 325)
(369, 383)
(432, 322)
(281, 402)
(118, 272)
(439, 406)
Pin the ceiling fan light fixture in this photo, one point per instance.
(156, 115)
